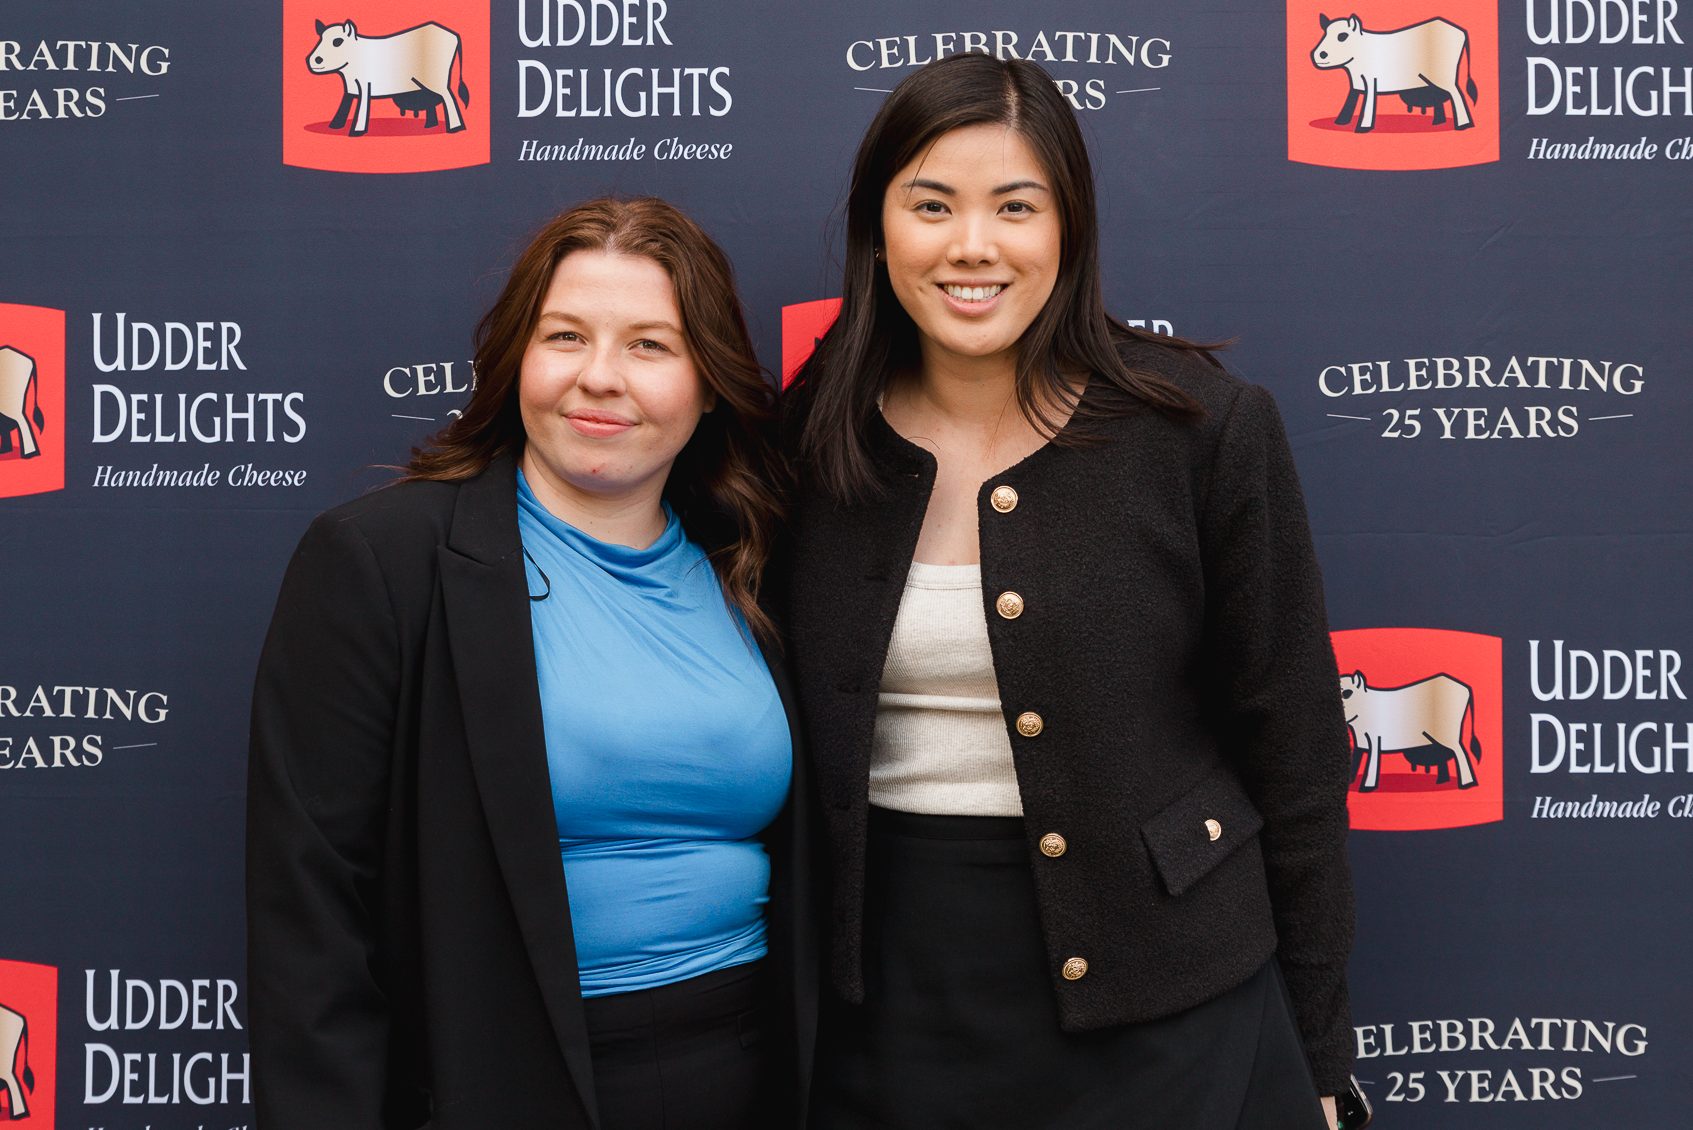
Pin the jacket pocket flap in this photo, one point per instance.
(1200, 829)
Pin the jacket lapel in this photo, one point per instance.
(845, 584)
(490, 638)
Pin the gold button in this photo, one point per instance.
(1009, 605)
(1052, 845)
(1214, 830)
(1004, 499)
(1075, 968)
(1030, 724)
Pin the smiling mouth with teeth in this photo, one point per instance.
(972, 293)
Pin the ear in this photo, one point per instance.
(1322, 19)
(1356, 679)
(1351, 21)
(321, 26)
(352, 32)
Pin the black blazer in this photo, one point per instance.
(1169, 690)
(410, 956)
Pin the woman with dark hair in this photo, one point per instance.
(1077, 740)
(516, 753)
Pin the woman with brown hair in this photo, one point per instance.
(1079, 752)
(517, 758)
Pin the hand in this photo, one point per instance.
(1333, 1122)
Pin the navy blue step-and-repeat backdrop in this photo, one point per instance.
(1450, 236)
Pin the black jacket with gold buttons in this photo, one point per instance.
(1156, 619)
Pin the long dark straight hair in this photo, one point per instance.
(873, 337)
(727, 484)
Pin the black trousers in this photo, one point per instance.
(688, 1056)
(959, 1028)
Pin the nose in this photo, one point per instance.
(973, 242)
(1322, 54)
(601, 375)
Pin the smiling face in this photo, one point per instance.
(607, 387)
(972, 241)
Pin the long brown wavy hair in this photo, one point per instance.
(728, 484)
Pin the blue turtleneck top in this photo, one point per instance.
(668, 750)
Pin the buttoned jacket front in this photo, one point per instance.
(1156, 621)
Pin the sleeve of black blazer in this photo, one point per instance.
(322, 734)
(1278, 689)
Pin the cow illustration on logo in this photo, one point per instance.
(1396, 85)
(17, 1078)
(414, 68)
(20, 404)
(1423, 722)
(1421, 63)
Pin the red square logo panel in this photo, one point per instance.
(29, 1022)
(1423, 707)
(803, 326)
(1393, 84)
(32, 400)
(391, 86)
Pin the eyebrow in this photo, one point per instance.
(1001, 190)
(562, 316)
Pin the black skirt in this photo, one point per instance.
(959, 1027)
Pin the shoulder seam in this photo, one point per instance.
(1239, 393)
